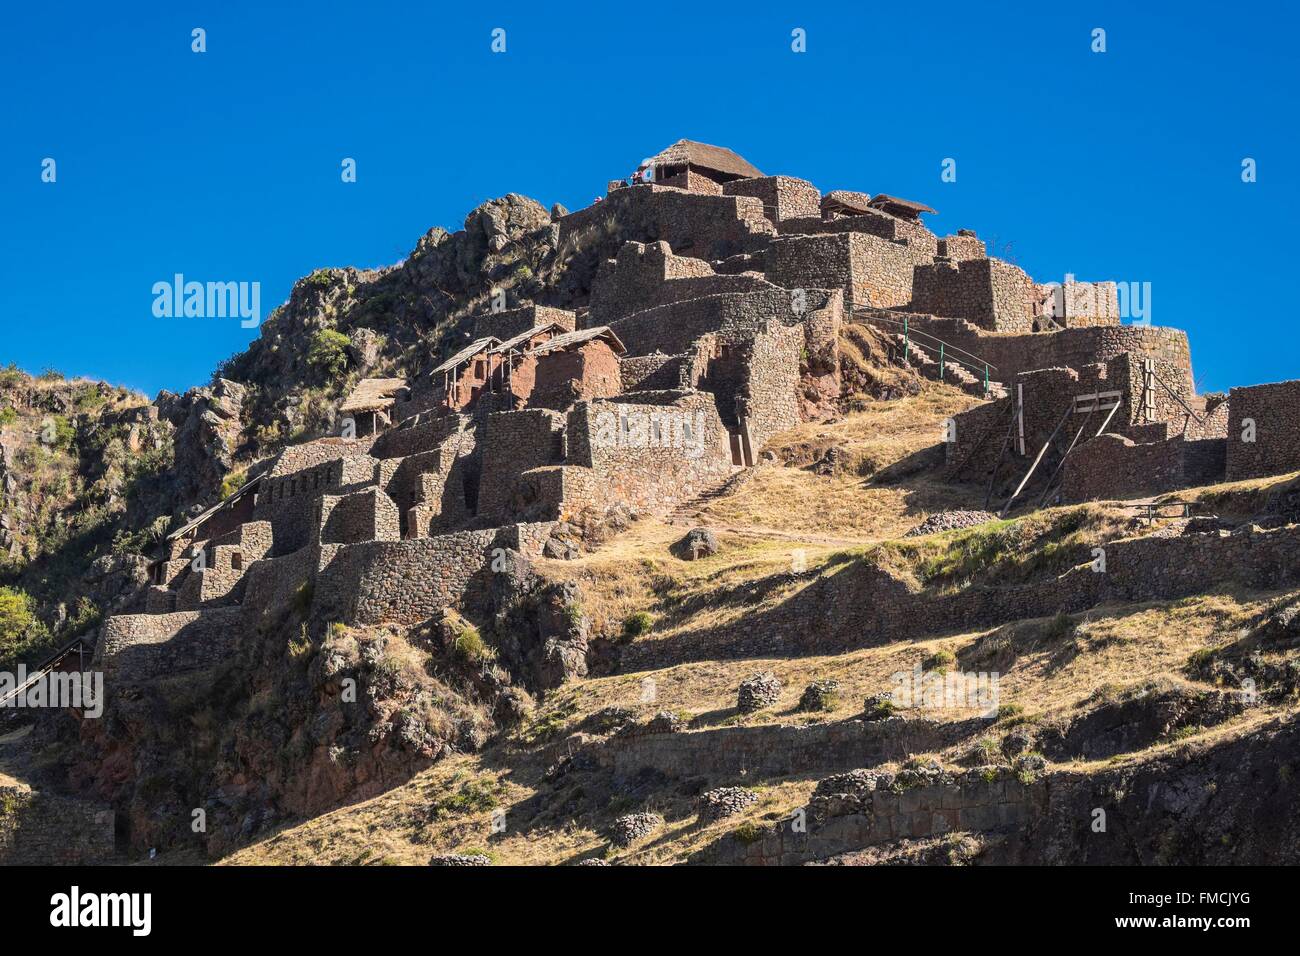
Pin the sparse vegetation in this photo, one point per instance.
(328, 353)
(637, 624)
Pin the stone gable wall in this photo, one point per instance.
(508, 323)
(575, 375)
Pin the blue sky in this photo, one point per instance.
(225, 165)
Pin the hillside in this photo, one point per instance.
(721, 521)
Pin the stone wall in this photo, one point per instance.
(368, 515)
(702, 226)
(862, 605)
(674, 328)
(922, 244)
(508, 323)
(989, 293)
(1013, 353)
(654, 371)
(1112, 466)
(421, 436)
(645, 275)
(874, 272)
(141, 647)
(513, 443)
(1082, 304)
(272, 584)
(1275, 411)
(961, 247)
(769, 393)
(783, 197)
(43, 829)
(649, 456)
(406, 582)
(840, 823)
(775, 750)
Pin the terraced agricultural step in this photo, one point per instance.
(851, 811)
(778, 750)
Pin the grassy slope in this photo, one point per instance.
(1056, 667)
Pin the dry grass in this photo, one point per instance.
(1053, 672)
(861, 500)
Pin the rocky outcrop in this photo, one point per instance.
(208, 426)
(541, 630)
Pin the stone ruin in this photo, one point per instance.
(713, 327)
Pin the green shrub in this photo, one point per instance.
(880, 709)
(637, 624)
(468, 645)
(302, 598)
(474, 796)
(21, 632)
(232, 483)
(57, 433)
(939, 661)
(328, 353)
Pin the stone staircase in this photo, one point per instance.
(926, 362)
(688, 512)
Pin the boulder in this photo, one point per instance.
(698, 543)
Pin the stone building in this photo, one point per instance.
(371, 403)
(700, 167)
(465, 375)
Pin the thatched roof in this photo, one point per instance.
(515, 341)
(703, 156)
(843, 200)
(862, 204)
(373, 394)
(244, 489)
(467, 353)
(900, 207)
(571, 339)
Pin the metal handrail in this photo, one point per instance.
(979, 362)
(983, 365)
